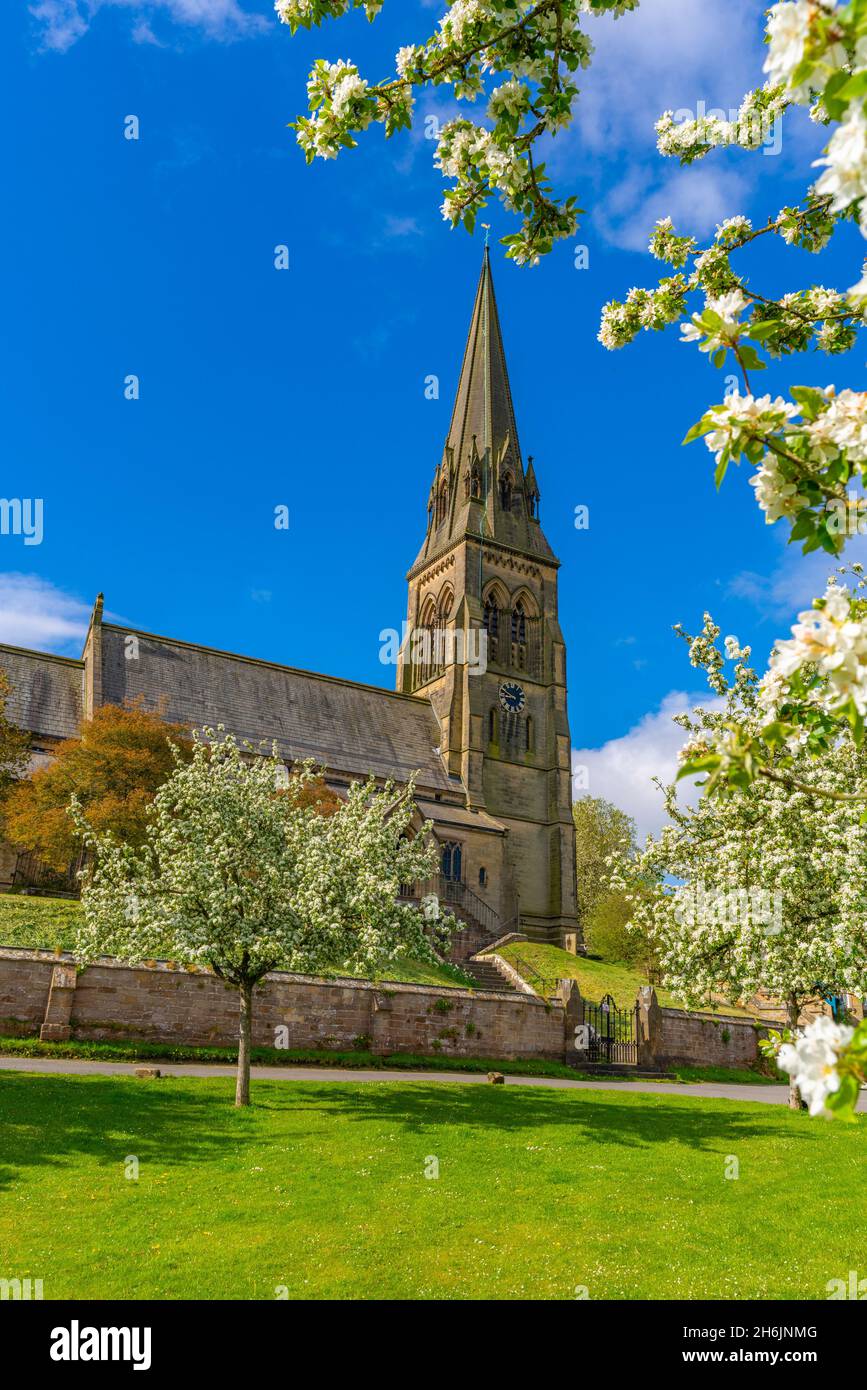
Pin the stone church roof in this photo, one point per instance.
(347, 727)
(46, 694)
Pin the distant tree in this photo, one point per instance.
(602, 830)
(242, 872)
(114, 768)
(314, 791)
(14, 742)
(609, 932)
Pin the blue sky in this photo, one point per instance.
(306, 387)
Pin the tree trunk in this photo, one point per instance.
(242, 1088)
(792, 1013)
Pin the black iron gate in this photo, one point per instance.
(35, 876)
(607, 1034)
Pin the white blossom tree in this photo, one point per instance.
(530, 48)
(772, 881)
(241, 874)
(810, 451)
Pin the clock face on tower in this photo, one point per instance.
(512, 697)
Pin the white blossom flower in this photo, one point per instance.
(348, 87)
(845, 177)
(842, 426)
(728, 308)
(511, 99)
(835, 642)
(811, 1060)
(776, 495)
(788, 29)
(740, 418)
(405, 58)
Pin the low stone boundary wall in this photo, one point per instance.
(42, 993)
(161, 1003)
(673, 1037)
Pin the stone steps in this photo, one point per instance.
(624, 1069)
(487, 976)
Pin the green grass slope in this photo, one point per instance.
(50, 923)
(596, 977)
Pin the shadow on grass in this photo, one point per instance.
(640, 1120)
(48, 1120)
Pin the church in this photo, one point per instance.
(487, 738)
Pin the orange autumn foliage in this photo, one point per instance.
(114, 768)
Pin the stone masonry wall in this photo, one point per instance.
(706, 1040)
(39, 992)
(42, 994)
(672, 1037)
(25, 982)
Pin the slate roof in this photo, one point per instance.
(446, 814)
(347, 727)
(47, 692)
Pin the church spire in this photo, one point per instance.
(483, 404)
(479, 488)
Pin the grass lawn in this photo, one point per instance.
(321, 1188)
(596, 977)
(49, 923)
(46, 923)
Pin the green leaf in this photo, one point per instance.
(702, 426)
(751, 359)
(804, 525)
(708, 763)
(811, 401)
(766, 329)
(850, 90)
(845, 1098)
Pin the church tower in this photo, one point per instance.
(484, 642)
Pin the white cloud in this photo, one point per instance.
(63, 22)
(401, 226)
(623, 769)
(33, 613)
(795, 581)
(696, 199)
(667, 55)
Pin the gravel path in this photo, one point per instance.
(767, 1095)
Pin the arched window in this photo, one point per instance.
(519, 623)
(492, 624)
(451, 861)
(476, 482)
(467, 483)
(442, 504)
(506, 485)
(422, 647)
(483, 877)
